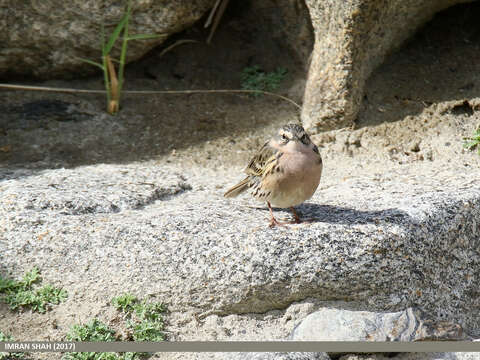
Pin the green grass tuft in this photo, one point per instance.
(94, 330)
(9, 355)
(114, 78)
(254, 78)
(473, 142)
(144, 320)
(22, 294)
(125, 302)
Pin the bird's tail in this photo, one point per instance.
(238, 189)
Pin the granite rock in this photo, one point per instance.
(275, 356)
(344, 325)
(351, 39)
(167, 231)
(415, 356)
(46, 38)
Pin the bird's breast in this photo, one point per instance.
(297, 179)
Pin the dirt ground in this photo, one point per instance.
(418, 107)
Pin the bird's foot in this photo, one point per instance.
(295, 215)
(274, 222)
(297, 219)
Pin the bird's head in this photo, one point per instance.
(292, 138)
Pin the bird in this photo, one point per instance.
(285, 172)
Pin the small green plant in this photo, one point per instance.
(254, 78)
(473, 142)
(144, 321)
(94, 356)
(113, 81)
(11, 355)
(149, 326)
(125, 302)
(23, 294)
(94, 330)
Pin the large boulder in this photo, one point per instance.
(45, 38)
(168, 231)
(352, 38)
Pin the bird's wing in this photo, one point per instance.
(263, 160)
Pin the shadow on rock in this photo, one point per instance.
(332, 214)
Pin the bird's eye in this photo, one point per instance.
(304, 138)
(284, 137)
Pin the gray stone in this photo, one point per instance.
(466, 355)
(344, 325)
(288, 21)
(415, 356)
(275, 356)
(351, 39)
(55, 192)
(167, 231)
(45, 38)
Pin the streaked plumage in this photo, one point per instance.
(285, 172)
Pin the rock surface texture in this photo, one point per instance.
(388, 242)
(415, 356)
(274, 356)
(351, 39)
(324, 356)
(344, 325)
(44, 38)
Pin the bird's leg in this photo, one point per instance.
(297, 218)
(273, 221)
